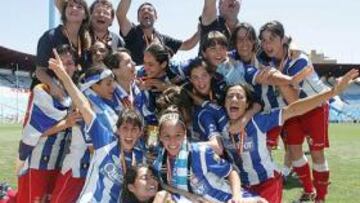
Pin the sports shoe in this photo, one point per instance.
(306, 197)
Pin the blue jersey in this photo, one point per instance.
(209, 120)
(105, 177)
(255, 162)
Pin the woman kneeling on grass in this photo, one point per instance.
(113, 154)
(257, 170)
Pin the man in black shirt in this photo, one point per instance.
(225, 22)
(138, 37)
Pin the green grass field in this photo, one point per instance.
(343, 157)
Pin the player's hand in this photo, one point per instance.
(156, 84)
(72, 118)
(235, 200)
(344, 81)
(265, 74)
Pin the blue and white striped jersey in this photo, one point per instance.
(105, 176)
(312, 84)
(269, 94)
(78, 158)
(207, 172)
(209, 120)
(46, 153)
(140, 101)
(255, 162)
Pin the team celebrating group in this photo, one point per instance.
(114, 118)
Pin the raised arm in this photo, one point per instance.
(59, 4)
(191, 42)
(209, 12)
(78, 98)
(304, 105)
(121, 14)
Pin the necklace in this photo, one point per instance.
(123, 161)
(78, 42)
(104, 39)
(238, 143)
(169, 170)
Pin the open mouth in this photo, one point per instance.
(147, 18)
(233, 109)
(173, 147)
(100, 21)
(128, 140)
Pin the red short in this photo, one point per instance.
(67, 188)
(272, 137)
(271, 190)
(313, 126)
(36, 185)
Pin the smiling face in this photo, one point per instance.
(129, 134)
(98, 52)
(105, 88)
(272, 44)
(152, 67)
(147, 16)
(101, 17)
(215, 55)
(200, 78)
(236, 102)
(75, 12)
(126, 69)
(145, 185)
(172, 135)
(244, 44)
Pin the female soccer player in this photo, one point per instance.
(42, 145)
(257, 170)
(113, 153)
(97, 84)
(314, 124)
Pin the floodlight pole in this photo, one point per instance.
(51, 14)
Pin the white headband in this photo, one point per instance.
(89, 81)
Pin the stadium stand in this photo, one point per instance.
(16, 69)
(15, 79)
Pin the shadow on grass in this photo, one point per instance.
(292, 182)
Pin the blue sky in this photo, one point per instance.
(331, 27)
